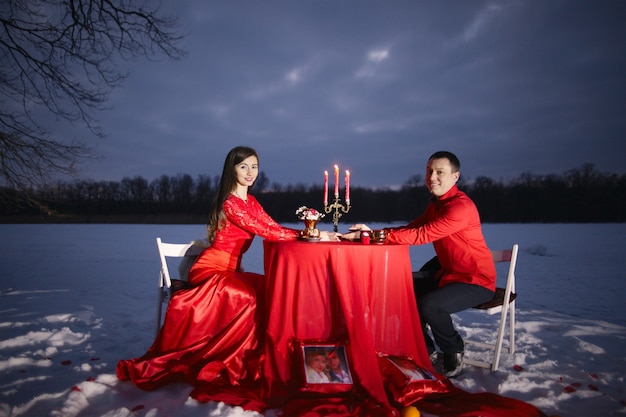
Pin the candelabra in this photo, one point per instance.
(339, 210)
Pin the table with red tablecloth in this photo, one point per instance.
(360, 297)
(339, 292)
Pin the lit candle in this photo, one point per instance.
(336, 181)
(347, 187)
(325, 187)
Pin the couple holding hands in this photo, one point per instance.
(211, 335)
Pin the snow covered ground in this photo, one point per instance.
(74, 299)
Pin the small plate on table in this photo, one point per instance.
(310, 239)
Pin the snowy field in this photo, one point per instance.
(74, 299)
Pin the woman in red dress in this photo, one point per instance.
(210, 337)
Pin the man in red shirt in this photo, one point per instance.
(463, 273)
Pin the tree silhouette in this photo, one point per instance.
(262, 182)
(58, 60)
(579, 195)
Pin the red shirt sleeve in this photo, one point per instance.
(452, 224)
(434, 224)
(251, 217)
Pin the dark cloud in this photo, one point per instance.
(510, 86)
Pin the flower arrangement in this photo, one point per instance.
(305, 213)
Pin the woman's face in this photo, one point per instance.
(246, 171)
(317, 362)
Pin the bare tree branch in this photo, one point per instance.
(58, 57)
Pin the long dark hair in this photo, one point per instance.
(228, 184)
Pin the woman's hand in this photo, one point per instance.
(329, 236)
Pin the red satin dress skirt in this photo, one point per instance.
(210, 336)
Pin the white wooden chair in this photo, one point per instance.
(172, 250)
(503, 303)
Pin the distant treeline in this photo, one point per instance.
(578, 196)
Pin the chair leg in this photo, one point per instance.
(159, 310)
(500, 339)
(512, 328)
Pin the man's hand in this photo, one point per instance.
(359, 227)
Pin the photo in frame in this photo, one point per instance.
(411, 370)
(326, 364)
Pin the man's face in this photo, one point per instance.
(439, 176)
(333, 361)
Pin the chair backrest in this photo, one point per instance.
(507, 255)
(503, 295)
(503, 302)
(174, 250)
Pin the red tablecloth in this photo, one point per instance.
(359, 296)
(336, 292)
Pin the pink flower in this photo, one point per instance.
(305, 213)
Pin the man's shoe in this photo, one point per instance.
(452, 364)
(434, 357)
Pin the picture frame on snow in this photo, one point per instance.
(411, 370)
(325, 364)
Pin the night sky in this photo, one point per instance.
(376, 87)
